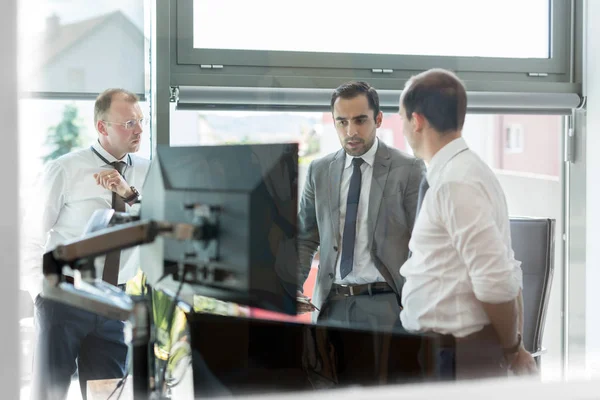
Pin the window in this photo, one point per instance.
(315, 20)
(306, 50)
(69, 51)
(38, 119)
(76, 79)
(66, 41)
(514, 139)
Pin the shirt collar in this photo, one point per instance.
(368, 157)
(110, 158)
(441, 158)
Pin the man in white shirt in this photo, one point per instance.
(71, 188)
(462, 279)
(358, 207)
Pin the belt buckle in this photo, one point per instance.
(350, 289)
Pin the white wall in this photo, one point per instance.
(531, 195)
(479, 134)
(9, 362)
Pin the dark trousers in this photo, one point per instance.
(378, 313)
(68, 339)
(476, 356)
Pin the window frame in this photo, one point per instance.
(514, 139)
(283, 66)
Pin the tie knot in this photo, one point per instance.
(119, 166)
(357, 162)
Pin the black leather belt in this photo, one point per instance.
(358, 290)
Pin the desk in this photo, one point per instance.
(102, 388)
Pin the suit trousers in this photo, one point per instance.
(70, 339)
(377, 313)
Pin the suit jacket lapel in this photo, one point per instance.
(336, 167)
(381, 169)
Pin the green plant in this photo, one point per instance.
(66, 136)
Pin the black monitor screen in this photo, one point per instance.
(248, 195)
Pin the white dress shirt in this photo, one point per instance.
(66, 197)
(363, 270)
(461, 248)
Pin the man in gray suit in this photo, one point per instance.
(358, 208)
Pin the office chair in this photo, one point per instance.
(533, 244)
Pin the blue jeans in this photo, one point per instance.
(68, 339)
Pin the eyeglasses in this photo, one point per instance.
(129, 125)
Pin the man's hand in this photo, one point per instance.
(522, 363)
(114, 182)
(303, 304)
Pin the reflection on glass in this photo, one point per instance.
(510, 28)
(241, 356)
(523, 150)
(210, 305)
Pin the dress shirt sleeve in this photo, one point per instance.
(468, 215)
(411, 193)
(40, 217)
(308, 229)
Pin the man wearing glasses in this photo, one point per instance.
(103, 176)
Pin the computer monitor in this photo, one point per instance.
(246, 198)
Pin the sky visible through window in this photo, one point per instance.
(508, 28)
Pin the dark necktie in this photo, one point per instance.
(423, 187)
(350, 222)
(112, 261)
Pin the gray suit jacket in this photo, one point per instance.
(392, 209)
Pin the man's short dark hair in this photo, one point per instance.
(104, 100)
(350, 90)
(440, 96)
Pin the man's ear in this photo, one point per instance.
(379, 119)
(101, 127)
(418, 122)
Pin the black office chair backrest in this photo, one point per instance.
(533, 244)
